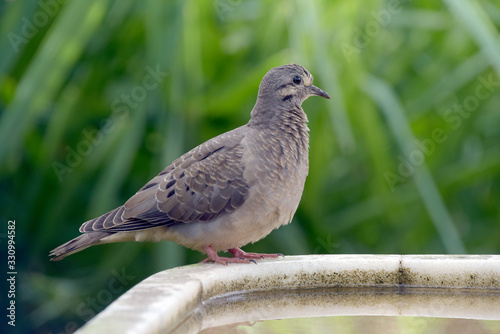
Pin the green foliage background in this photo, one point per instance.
(396, 166)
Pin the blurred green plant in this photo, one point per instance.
(96, 97)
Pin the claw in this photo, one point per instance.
(239, 256)
(213, 257)
(238, 252)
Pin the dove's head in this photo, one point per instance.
(288, 85)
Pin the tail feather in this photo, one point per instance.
(77, 244)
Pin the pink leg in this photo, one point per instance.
(213, 257)
(239, 253)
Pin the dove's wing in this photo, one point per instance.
(201, 185)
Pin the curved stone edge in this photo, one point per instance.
(164, 300)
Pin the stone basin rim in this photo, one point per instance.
(166, 299)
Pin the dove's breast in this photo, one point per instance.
(276, 167)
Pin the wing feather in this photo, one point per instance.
(201, 185)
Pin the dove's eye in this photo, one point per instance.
(297, 80)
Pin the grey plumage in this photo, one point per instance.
(229, 191)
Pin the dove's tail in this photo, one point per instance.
(77, 244)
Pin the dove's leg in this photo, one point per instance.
(213, 257)
(240, 254)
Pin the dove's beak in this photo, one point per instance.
(313, 90)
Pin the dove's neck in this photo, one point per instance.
(286, 123)
(293, 124)
(268, 112)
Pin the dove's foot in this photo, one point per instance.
(240, 254)
(213, 257)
